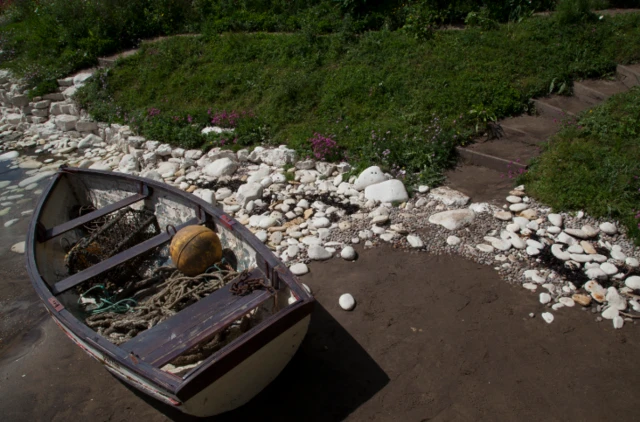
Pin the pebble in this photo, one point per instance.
(18, 247)
(518, 207)
(485, 248)
(11, 222)
(318, 253)
(555, 219)
(618, 322)
(530, 286)
(548, 317)
(453, 240)
(608, 268)
(545, 298)
(608, 228)
(583, 300)
(514, 199)
(567, 301)
(633, 282)
(610, 313)
(532, 251)
(415, 241)
(347, 302)
(632, 262)
(299, 269)
(348, 253)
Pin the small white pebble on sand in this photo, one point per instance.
(18, 247)
(347, 302)
(545, 298)
(348, 253)
(299, 269)
(618, 322)
(548, 317)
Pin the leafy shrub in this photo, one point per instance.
(574, 11)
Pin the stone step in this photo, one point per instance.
(479, 183)
(561, 107)
(111, 60)
(503, 155)
(538, 127)
(598, 90)
(629, 74)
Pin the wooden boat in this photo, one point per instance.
(222, 381)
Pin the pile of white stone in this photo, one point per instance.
(308, 210)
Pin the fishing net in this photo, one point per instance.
(109, 236)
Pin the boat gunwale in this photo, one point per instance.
(216, 365)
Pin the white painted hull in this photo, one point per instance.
(230, 391)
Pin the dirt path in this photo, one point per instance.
(431, 338)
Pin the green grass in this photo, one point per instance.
(370, 93)
(594, 164)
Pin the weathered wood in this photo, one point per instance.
(199, 322)
(122, 257)
(77, 222)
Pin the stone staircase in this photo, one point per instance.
(524, 134)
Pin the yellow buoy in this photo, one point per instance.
(194, 249)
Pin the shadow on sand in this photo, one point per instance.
(330, 376)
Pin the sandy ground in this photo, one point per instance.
(431, 339)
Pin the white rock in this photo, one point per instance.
(347, 302)
(449, 196)
(633, 282)
(567, 301)
(530, 286)
(565, 238)
(615, 300)
(128, 163)
(221, 167)
(318, 253)
(249, 192)
(618, 255)
(555, 219)
(503, 215)
(415, 241)
(632, 262)
(608, 268)
(453, 219)
(579, 233)
(557, 251)
(518, 207)
(554, 230)
(66, 122)
(610, 313)
(388, 191)
(368, 177)
(81, 78)
(608, 228)
(267, 222)
(532, 251)
(423, 189)
(9, 155)
(618, 322)
(299, 269)
(581, 257)
(480, 207)
(453, 240)
(548, 317)
(11, 222)
(207, 195)
(485, 248)
(596, 273)
(18, 247)
(501, 245)
(348, 253)
(545, 298)
(262, 236)
(535, 244)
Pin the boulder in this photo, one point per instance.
(449, 196)
(221, 167)
(388, 191)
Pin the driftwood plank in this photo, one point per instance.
(199, 322)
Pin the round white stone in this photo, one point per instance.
(453, 240)
(348, 253)
(545, 298)
(299, 269)
(532, 251)
(548, 317)
(633, 282)
(514, 199)
(485, 248)
(632, 262)
(347, 302)
(608, 268)
(608, 228)
(567, 301)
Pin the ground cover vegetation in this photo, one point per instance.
(378, 97)
(368, 81)
(593, 164)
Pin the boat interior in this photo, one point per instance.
(124, 226)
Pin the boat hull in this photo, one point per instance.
(225, 380)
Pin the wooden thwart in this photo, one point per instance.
(77, 222)
(161, 344)
(122, 257)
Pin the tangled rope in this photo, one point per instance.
(155, 304)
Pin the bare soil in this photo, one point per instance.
(433, 338)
